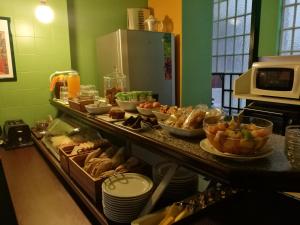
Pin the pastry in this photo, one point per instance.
(104, 165)
(116, 113)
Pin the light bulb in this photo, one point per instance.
(44, 13)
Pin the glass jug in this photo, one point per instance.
(57, 80)
(73, 81)
(113, 83)
(152, 24)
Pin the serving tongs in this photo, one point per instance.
(159, 189)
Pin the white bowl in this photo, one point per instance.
(161, 116)
(146, 111)
(128, 105)
(96, 109)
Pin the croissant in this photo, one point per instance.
(108, 152)
(119, 157)
(92, 154)
(101, 167)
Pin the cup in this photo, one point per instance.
(292, 142)
(64, 94)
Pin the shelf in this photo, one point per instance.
(91, 207)
(268, 99)
(273, 172)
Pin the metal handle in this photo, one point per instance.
(160, 189)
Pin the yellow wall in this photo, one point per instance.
(170, 12)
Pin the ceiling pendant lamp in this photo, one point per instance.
(44, 13)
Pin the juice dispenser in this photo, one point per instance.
(113, 83)
(57, 80)
(73, 81)
(68, 78)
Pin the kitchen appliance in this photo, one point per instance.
(281, 115)
(136, 18)
(16, 134)
(276, 79)
(272, 90)
(146, 58)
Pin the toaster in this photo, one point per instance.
(16, 134)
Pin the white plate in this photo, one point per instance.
(180, 131)
(146, 112)
(107, 118)
(264, 152)
(127, 185)
(161, 116)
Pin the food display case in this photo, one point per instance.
(63, 132)
(230, 181)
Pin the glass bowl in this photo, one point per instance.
(238, 135)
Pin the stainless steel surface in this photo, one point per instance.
(140, 56)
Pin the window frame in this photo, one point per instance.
(291, 51)
(253, 56)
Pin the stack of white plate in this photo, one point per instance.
(125, 195)
(184, 182)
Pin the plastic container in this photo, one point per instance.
(113, 83)
(73, 80)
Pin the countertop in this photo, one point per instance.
(273, 172)
(38, 196)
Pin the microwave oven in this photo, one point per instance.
(276, 79)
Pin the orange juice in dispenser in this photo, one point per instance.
(73, 81)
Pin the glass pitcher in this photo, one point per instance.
(69, 78)
(113, 83)
(57, 80)
(152, 24)
(73, 81)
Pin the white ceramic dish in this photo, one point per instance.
(161, 116)
(128, 105)
(207, 146)
(146, 111)
(127, 185)
(95, 109)
(180, 131)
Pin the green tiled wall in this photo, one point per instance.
(40, 49)
(88, 20)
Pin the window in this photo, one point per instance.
(230, 50)
(290, 28)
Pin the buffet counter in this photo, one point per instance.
(37, 195)
(244, 181)
(273, 172)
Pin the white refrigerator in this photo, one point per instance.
(146, 58)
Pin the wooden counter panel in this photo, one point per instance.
(37, 194)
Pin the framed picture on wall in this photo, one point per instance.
(7, 59)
